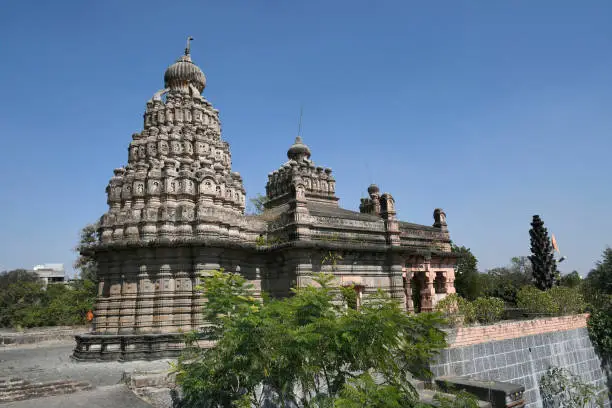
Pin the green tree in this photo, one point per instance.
(571, 280)
(598, 283)
(505, 282)
(467, 282)
(256, 204)
(16, 276)
(597, 288)
(521, 265)
(568, 300)
(68, 304)
(85, 263)
(308, 343)
(22, 303)
(544, 266)
(25, 302)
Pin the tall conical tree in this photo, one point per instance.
(542, 258)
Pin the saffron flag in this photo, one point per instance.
(554, 243)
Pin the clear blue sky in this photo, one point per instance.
(492, 110)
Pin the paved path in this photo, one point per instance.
(53, 362)
(49, 362)
(114, 396)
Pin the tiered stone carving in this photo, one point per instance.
(302, 176)
(179, 173)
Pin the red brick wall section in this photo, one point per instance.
(467, 336)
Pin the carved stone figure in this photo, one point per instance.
(163, 147)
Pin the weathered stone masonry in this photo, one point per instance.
(176, 212)
(521, 352)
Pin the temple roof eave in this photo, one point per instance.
(251, 246)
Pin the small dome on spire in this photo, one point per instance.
(184, 72)
(373, 189)
(298, 150)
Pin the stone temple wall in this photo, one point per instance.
(521, 352)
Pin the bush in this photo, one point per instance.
(266, 351)
(535, 301)
(456, 310)
(560, 388)
(26, 303)
(600, 331)
(488, 309)
(567, 300)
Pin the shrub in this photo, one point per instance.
(456, 310)
(29, 304)
(535, 301)
(560, 388)
(306, 342)
(488, 309)
(600, 331)
(567, 300)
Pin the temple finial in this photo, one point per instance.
(188, 48)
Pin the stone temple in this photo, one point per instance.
(177, 211)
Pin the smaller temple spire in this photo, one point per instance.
(188, 48)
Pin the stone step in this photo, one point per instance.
(19, 389)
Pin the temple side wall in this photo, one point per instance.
(154, 290)
(521, 352)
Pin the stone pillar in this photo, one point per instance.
(114, 298)
(396, 287)
(257, 284)
(449, 284)
(407, 275)
(101, 307)
(146, 292)
(183, 290)
(388, 213)
(301, 213)
(165, 298)
(303, 270)
(428, 291)
(127, 312)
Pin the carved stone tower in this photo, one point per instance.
(179, 180)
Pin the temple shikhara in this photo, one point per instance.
(177, 211)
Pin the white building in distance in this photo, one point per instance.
(50, 273)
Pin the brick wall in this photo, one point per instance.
(465, 336)
(521, 352)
